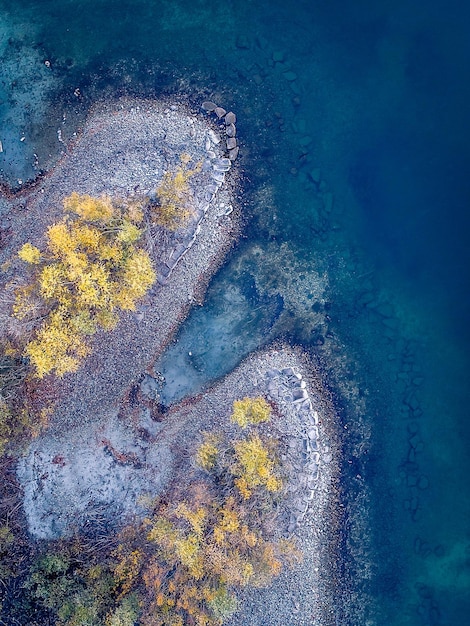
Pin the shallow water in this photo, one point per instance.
(354, 133)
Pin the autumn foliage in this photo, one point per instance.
(90, 269)
(200, 548)
(205, 541)
(250, 411)
(174, 202)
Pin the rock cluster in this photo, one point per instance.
(230, 129)
(287, 388)
(215, 166)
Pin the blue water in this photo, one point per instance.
(378, 237)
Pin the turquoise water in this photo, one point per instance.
(354, 130)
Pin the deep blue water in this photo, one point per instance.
(379, 104)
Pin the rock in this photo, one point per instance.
(288, 371)
(308, 497)
(414, 503)
(211, 154)
(178, 252)
(306, 140)
(292, 526)
(230, 118)
(222, 165)
(231, 130)
(209, 106)
(242, 42)
(231, 143)
(423, 482)
(233, 153)
(149, 387)
(327, 458)
(272, 373)
(313, 434)
(299, 394)
(411, 481)
(213, 137)
(220, 112)
(290, 76)
(315, 175)
(278, 56)
(298, 506)
(218, 177)
(312, 483)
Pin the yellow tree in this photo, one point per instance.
(90, 269)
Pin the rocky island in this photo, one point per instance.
(219, 508)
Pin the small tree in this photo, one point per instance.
(89, 270)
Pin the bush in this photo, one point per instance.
(173, 208)
(76, 589)
(250, 411)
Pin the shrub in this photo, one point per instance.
(173, 208)
(125, 614)
(72, 586)
(253, 467)
(250, 411)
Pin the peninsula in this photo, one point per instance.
(220, 508)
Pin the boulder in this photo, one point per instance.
(222, 165)
(231, 130)
(213, 137)
(209, 106)
(230, 118)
